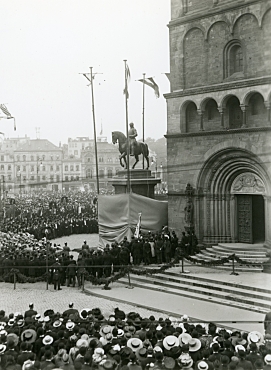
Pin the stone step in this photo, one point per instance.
(242, 246)
(234, 247)
(213, 252)
(219, 249)
(228, 265)
(199, 292)
(221, 254)
(220, 282)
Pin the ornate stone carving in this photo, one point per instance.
(189, 208)
(248, 183)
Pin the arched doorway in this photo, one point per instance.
(249, 189)
(233, 199)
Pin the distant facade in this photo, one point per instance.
(27, 165)
(219, 130)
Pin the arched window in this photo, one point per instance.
(233, 58)
(236, 59)
(88, 173)
(191, 117)
(211, 108)
(257, 105)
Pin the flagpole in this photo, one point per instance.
(143, 115)
(143, 111)
(127, 130)
(94, 129)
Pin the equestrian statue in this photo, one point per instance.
(135, 147)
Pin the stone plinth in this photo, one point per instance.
(142, 182)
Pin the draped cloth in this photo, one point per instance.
(118, 216)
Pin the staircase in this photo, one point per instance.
(254, 254)
(206, 289)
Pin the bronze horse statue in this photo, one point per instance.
(139, 148)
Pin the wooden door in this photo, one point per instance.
(244, 218)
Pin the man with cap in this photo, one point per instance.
(132, 134)
(31, 312)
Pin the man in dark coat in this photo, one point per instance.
(31, 312)
(56, 270)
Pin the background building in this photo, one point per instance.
(28, 165)
(219, 130)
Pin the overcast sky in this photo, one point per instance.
(46, 44)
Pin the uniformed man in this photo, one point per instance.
(132, 133)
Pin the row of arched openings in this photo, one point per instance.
(231, 115)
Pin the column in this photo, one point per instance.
(268, 106)
(200, 113)
(233, 218)
(221, 111)
(185, 8)
(244, 110)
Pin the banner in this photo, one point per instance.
(118, 216)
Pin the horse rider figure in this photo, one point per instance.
(132, 133)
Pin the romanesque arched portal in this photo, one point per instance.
(233, 200)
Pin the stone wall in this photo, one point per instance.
(197, 47)
(187, 155)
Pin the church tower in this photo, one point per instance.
(219, 129)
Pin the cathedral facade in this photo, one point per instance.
(218, 120)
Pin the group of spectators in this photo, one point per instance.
(74, 212)
(30, 256)
(86, 339)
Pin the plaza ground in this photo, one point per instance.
(146, 302)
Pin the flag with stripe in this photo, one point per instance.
(5, 110)
(137, 230)
(127, 80)
(150, 82)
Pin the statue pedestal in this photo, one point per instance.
(141, 181)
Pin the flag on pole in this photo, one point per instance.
(137, 230)
(5, 110)
(127, 80)
(150, 82)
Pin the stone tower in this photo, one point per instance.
(218, 129)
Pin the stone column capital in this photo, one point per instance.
(243, 107)
(267, 104)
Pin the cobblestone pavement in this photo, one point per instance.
(77, 240)
(19, 299)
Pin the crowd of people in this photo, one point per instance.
(30, 256)
(74, 212)
(86, 339)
